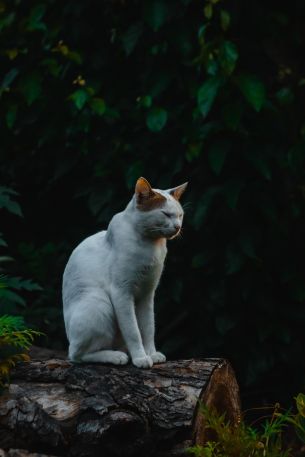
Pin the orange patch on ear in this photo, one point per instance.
(178, 191)
(147, 198)
(143, 188)
(155, 201)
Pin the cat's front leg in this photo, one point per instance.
(146, 321)
(125, 312)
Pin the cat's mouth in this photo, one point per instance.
(174, 235)
(169, 234)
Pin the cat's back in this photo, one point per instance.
(89, 247)
(87, 259)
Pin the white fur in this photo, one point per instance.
(109, 285)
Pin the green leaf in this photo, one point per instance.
(193, 151)
(10, 296)
(53, 66)
(207, 94)
(155, 13)
(253, 90)
(11, 116)
(145, 101)
(9, 78)
(80, 98)
(228, 57)
(208, 11)
(261, 163)
(203, 206)
(11, 324)
(6, 258)
(217, 155)
(75, 57)
(9, 204)
(98, 105)
(161, 83)
(34, 21)
(131, 37)
(201, 33)
(156, 119)
(235, 259)
(232, 113)
(30, 87)
(285, 96)
(300, 402)
(18, 283)
(225, 20)
(300, 428)
(212, 66)
(267, 206)
(2, 242)
(6, 21)
(8, 191)
(133, 172)
(247, 245)
(112, 114)
(232, 190)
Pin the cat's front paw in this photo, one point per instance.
(119, 358)
(158, 357)
(143, 362)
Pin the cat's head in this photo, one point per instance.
(158, 212)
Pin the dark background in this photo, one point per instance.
(95, 94)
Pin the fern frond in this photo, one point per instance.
(17, 283)
(11, 324)
(15, 339)
(19, 339)
(7, 364)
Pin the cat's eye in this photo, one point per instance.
(166, 214)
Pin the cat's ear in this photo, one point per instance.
(143, 190)
(147, 199)
(176, 192)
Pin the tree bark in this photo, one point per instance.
(56, 408)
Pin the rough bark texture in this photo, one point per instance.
(53, 407)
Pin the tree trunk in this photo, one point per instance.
(57, 408)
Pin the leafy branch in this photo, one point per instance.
(15, 340)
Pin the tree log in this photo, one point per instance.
(57, 408)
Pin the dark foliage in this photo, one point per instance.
(95, 94)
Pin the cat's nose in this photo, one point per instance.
(177, 227)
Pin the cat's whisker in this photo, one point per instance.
(155, 229)
(180, 234)
(187, 205)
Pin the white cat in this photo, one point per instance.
(110, 280)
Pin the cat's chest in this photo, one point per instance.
(148, 267)
(148, 263)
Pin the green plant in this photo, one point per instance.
(15, 337)
(15, 340)
(242, 440)
(10, 286)
(298, 419)
(10, 298)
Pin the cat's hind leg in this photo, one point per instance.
(78, 355)
(92, 330)
(106, 356)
